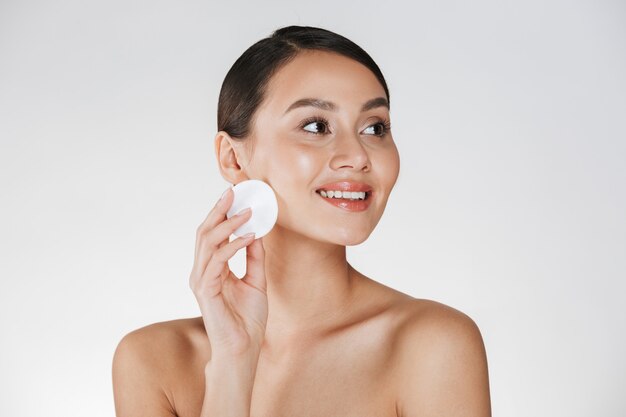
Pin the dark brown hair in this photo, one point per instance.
(244, 86)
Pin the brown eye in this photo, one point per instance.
(317, 122)
(383, 128)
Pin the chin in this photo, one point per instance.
(355, 242)
(351, 238)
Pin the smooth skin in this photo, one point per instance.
(330, 340)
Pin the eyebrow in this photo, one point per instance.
(328, 105)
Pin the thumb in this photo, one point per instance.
(255, 265)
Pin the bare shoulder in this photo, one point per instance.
(162, 343)
(147, 362)
(430, 323)
(441, 363)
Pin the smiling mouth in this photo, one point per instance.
(345, 195)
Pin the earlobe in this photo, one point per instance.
(227, 158)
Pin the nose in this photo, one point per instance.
(350, 153)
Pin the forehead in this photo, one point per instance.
(325, 75)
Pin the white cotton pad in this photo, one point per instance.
(260, 197)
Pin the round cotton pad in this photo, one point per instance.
(260, 197)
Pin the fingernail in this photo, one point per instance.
(248, 235)
(242, 212)
(224, 194)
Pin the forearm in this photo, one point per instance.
(228, 386)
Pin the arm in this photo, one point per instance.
(137, 387)
(228, 388)
(142, 361)
(234, 310)
(444, 370)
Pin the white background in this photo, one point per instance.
(510, 122)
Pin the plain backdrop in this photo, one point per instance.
(510, 122)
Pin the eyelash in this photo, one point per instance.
(320, 119)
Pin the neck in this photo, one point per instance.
(310, 284)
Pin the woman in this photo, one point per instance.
(303, 333)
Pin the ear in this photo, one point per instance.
(229, 158)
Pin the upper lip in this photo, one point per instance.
(346, 186)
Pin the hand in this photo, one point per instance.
(234, 310)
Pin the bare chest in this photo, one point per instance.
(348, 378)
(338, 383)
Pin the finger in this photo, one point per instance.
(216, 215)
(255, 265)
(220, 259)
(207, 243)
(217, 316)
(218, 212)
(200, 261)
(226, 228)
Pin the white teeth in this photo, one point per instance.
(351, 195)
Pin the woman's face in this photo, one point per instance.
(295, 151)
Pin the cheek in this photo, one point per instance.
(389, 167)
(291, 168)
(304, 164)
(395, 166)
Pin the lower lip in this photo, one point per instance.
(348, 205)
